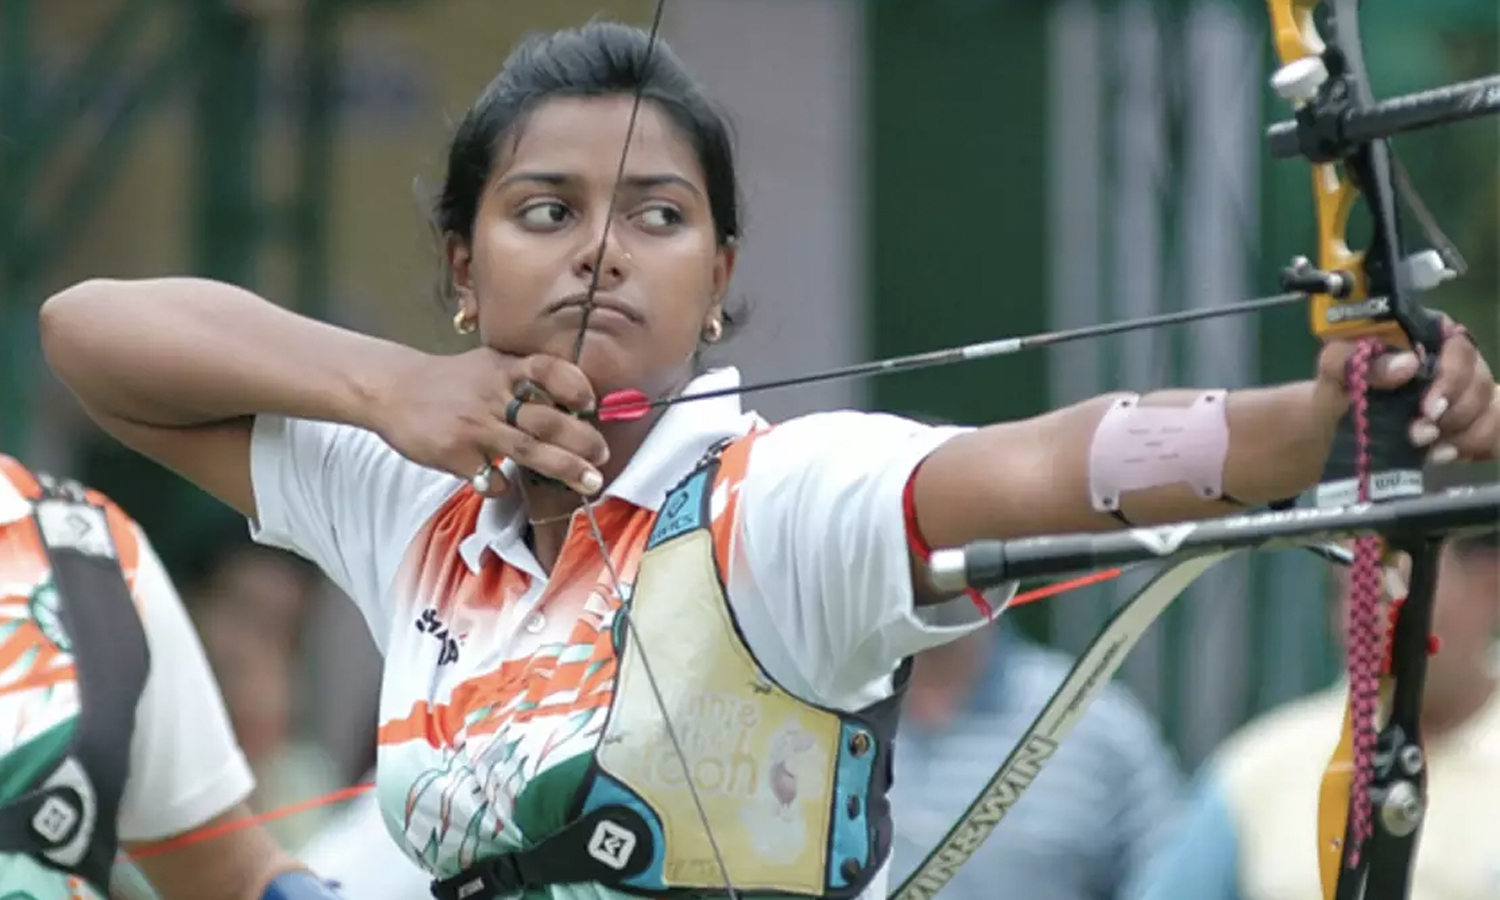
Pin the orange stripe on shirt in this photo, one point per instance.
(435, 575)
(517, 691)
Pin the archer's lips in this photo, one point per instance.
(602, 303)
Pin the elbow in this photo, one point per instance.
(63, 322)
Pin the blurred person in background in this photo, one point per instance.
(1249, 829)
(1086, 823)
(113, 736)
(251, 605)
(492, 527)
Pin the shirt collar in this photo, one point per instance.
(678, 440)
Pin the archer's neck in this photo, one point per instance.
(548, 506)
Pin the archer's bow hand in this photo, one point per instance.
(1460, 413)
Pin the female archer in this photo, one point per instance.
(659, 654)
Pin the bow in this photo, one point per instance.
(1341, 129)
(1373, 793)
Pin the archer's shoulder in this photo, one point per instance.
(852, 431)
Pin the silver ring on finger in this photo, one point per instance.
(480, 481)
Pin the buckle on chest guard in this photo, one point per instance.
(611, 844)
(56, 820)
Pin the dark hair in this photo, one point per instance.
(596, 60)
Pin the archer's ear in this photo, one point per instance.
(460, 271)
(724, 272)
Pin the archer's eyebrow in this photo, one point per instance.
(632, 182)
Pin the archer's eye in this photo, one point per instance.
(547, 214)
(661, 217)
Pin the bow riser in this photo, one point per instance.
(1318, 84)
(1368, 821)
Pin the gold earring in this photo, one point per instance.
(713, 331)
(463, 323)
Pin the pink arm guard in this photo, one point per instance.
(1137, 447)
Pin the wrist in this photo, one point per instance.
(1327, 403)
(1322, 405)
(371, 390)
(1280, 439)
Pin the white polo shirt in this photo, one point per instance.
(493, 665)
(185, 765)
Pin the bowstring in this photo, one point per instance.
(616, 585)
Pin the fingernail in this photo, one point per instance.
(1403, 364)
(1442, 453)
(1423, 433)
(591, 482)
(1435, 406)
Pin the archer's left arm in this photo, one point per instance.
(1181, 454)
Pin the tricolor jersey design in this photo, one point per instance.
(513, 726)
(483, 745)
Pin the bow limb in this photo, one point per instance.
(1373, 790)
(616, 587)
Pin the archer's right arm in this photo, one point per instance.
(177, 369)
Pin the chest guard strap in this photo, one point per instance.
(67, 821)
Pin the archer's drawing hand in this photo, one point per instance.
(1460, 417)
(450, 414)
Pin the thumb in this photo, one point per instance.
(1391, 370)
(1388, 370)
(1333, 361)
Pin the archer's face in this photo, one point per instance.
(537, 238)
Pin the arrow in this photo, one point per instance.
(630, 405)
